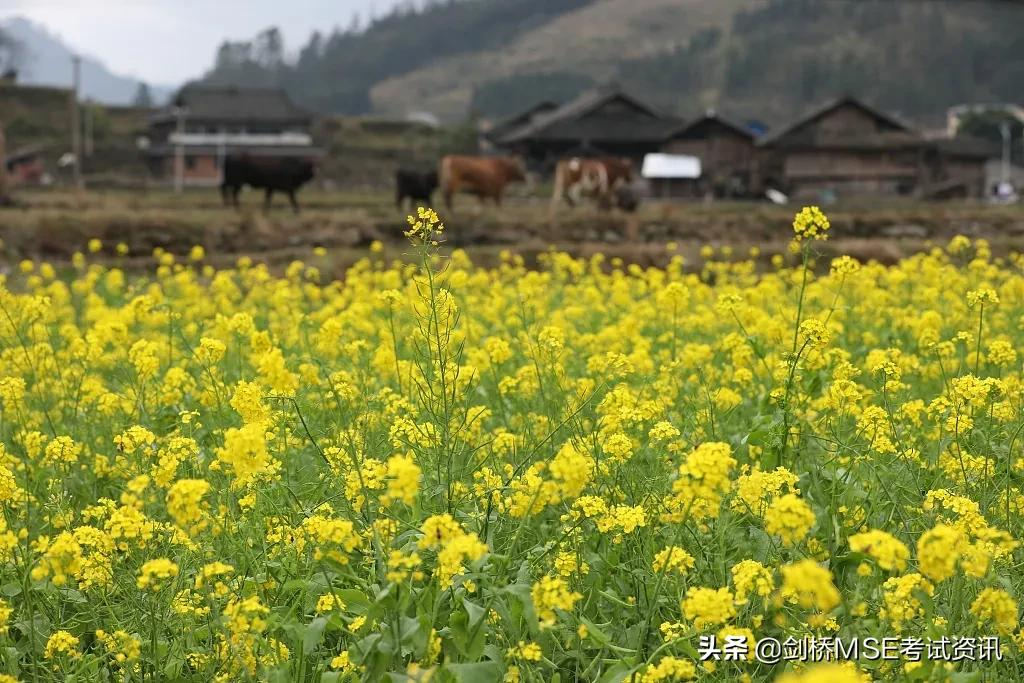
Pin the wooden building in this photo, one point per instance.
(26, 167)
(207, 123)
(500, 129)
(957, 168)
(843, 148)
(605, 121)
(727, 153)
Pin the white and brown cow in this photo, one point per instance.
(598, 179)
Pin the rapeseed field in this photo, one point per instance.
(586, 472)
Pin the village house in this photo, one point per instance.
(207, 123)
(843, 148)
(605, 121)
(848, 148)
(26, 167)
(500, 129)
(727, 153)
(958, 167)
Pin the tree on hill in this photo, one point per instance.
(10, 54)
(143, 97)
(335, 74)
(5, 197)
(8, 48)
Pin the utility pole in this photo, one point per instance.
(88, 115)
(1004, 130)
(179, 149)
(76, 130)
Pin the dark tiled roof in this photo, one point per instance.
(505, 126)
(236, 104)
(712, 117)
(21, 154)
(570, 122)
(254, 150)
(890, 120)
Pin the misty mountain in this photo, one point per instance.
(764, 59)
(43, 59)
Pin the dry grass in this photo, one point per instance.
(56, 224)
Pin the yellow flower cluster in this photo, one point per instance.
(811, 223)
(444, 470)
(889, 552)
(708, 606)
(454, 546)
(789, 518)
(552, 593)
(672, 559)
(154, 574)
(424, 224)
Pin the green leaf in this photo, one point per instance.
(477, 672)
(475, 612)
(520, 593)
(72, 595)
(313, 634)
(355, 600)
(965, 677)
(617, 673)
(595, 633)
(293, 585)
(172, 669)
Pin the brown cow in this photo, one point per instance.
(599, 179)
(486, 177)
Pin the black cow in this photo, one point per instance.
(416, 185)
(272, 174)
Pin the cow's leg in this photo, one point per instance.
(398, 200)
(267, 197)
(295, 203)
(235, 191)
(559, 190)
(448, 198)
(225, 194)
(575, 193)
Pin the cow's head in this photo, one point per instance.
(629, 170)
(516, 168)
(517, 171)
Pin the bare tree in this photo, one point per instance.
(4, 184)
(11, 53)
(9, 56)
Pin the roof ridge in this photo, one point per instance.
(831, 104)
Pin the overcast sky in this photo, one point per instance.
(169, 41)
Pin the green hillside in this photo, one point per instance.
(38, 118)
(766, 59)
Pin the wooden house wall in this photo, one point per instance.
(718, 154)
(846, 121)
(968, 171)
(852, 171)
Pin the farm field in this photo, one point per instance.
(53, 224)
(435, 469)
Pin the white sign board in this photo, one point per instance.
(676, 166)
